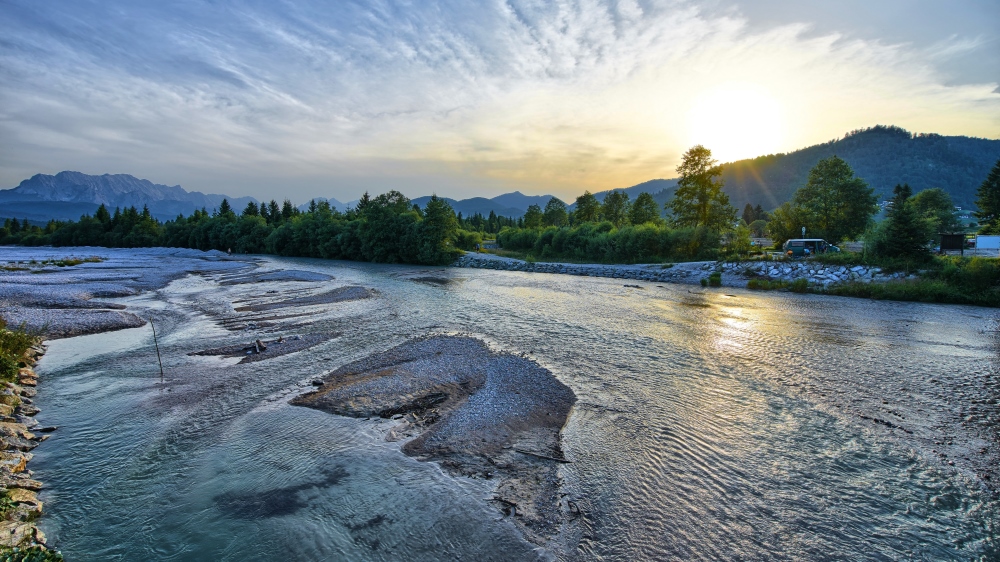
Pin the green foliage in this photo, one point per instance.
(767, 284)
(603, 243)
(615, 208)
(13, 345)
(943, 279)
(588, 208)
(882, 155)
(758, 228)
(699, 199)
(835, 204)
(466, 240)
(29, 554)
(904, 234)
(988, 202)
(704, 282)
(738, 242)
(800, 285)
(386, 228)
(644, 210)
(555, 213)
(936, 205)
(533, 217)
(715, 279)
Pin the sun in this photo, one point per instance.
(737, 121)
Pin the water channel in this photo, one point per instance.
(709, 425)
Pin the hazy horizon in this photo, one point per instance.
(470, 100)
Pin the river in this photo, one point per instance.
(715, 424)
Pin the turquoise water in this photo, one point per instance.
(715, 425)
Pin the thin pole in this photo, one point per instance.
(160, 361)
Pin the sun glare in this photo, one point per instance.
(737, 121)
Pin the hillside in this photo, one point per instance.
(882, 155)
(67, 195)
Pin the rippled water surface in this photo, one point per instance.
(708, 426)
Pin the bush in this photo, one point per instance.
(715, 279)
(29, 554)
(13, 345)
(767, 284)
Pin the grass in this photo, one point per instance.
(797, 286)
(13, 345)
(62, 262)
(918, 290)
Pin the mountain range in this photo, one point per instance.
(882, 155)
(68, 195)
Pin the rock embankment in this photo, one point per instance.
(476, 412)
(813, 272)
(19, 434)
(735, 274)
(677, 273)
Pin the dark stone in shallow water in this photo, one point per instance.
(275, 502)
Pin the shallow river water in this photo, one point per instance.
(709, 425)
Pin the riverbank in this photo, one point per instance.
(20, 433)
(972, 282)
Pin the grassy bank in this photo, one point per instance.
(940, 279)
(14, 343)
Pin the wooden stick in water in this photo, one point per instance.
(160, 361)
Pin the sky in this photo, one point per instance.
(467, 98)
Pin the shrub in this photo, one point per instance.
(29, 554)
(13, 345)
(799, 286)
(715, 279)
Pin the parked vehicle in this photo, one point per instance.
(800, 247)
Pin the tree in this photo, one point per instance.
(615, 208)
(103, 215)
(786, 222)
(749, 215)
(251, 210)
(644, 210)
(533, 217)
(837, 204)
(935, 204)
(588, 208)
(273, 212)
(699, 199)
(288, 210)
(555, 213)
(438, 229)
(988, 202)
(906, 233)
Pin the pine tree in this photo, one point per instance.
(906, 232)
(988, 202)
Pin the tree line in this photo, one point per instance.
(386, 228)
(699, 223)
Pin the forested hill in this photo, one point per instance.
(883, 156)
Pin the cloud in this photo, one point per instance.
(333, 99)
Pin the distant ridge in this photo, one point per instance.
(67, 195)
(882, 155)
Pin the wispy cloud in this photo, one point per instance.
(449, 96)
